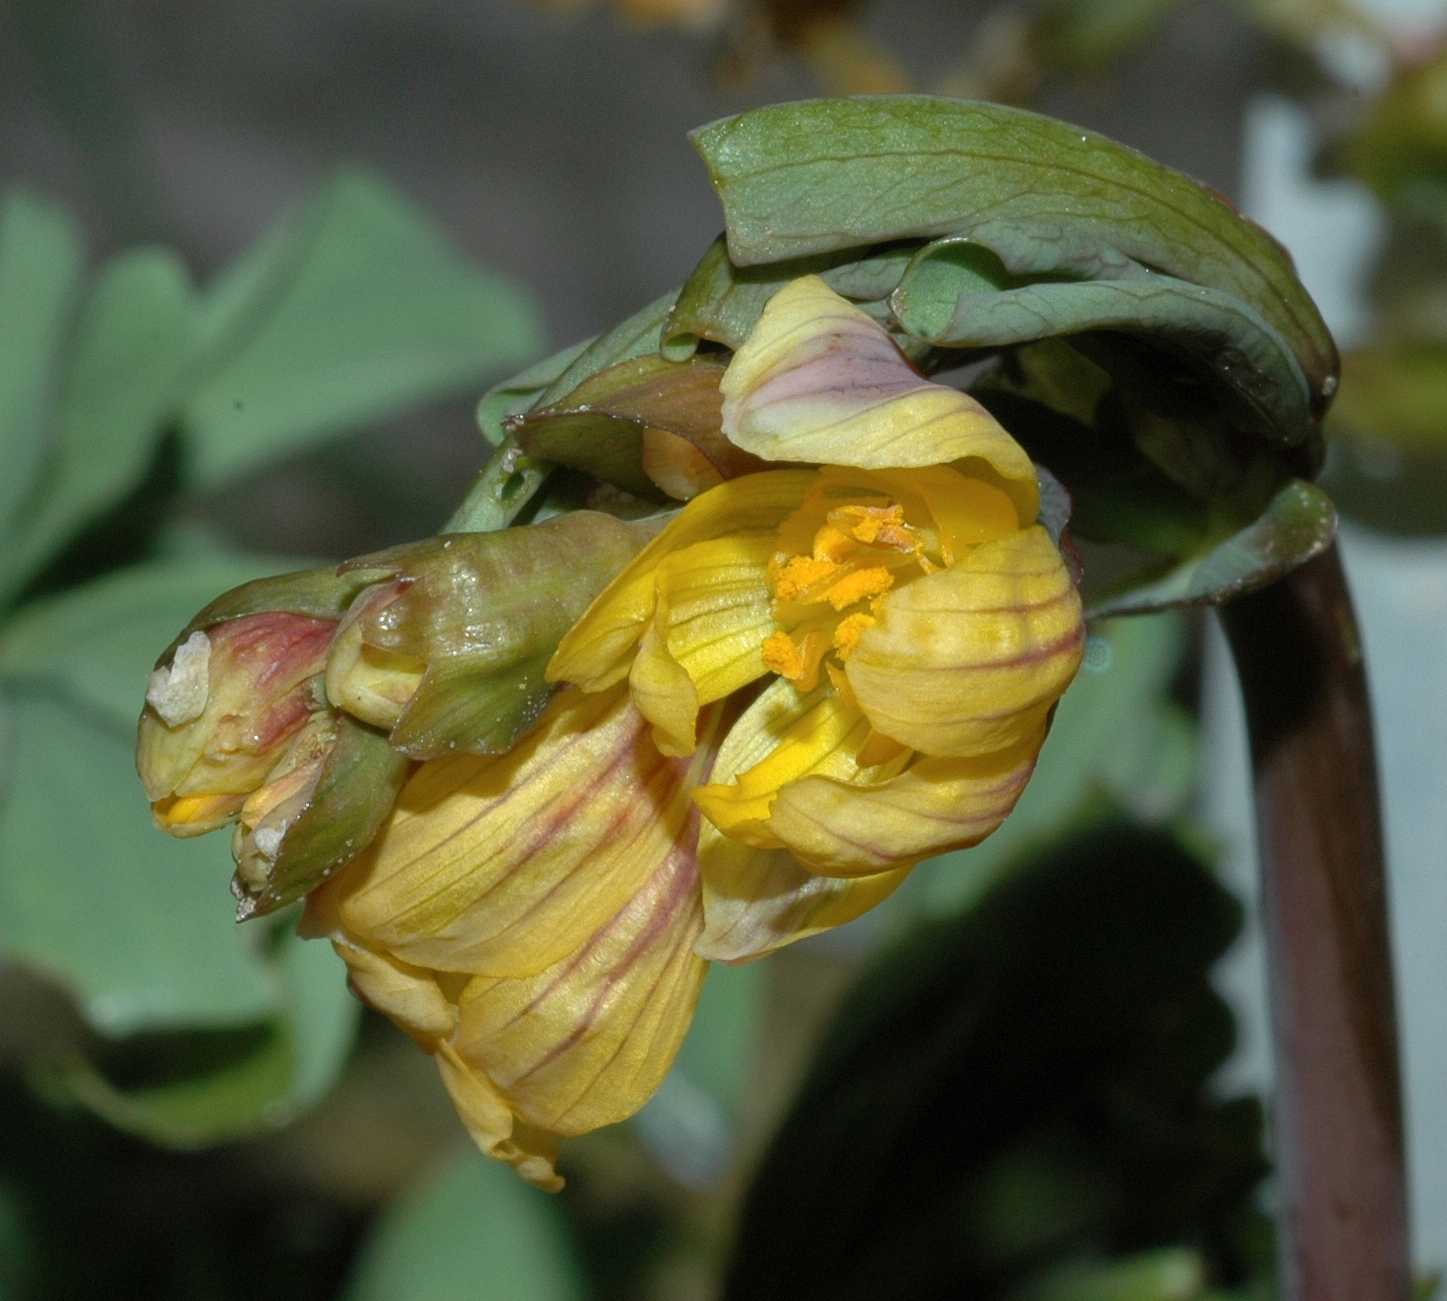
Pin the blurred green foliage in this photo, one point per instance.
(124, 391)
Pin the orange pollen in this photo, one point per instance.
(848, 632)
(796, 660)
(854, 555)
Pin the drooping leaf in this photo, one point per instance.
(1035, 1074)
(354, 309)
(944, 299)
(1048, 198)
(471, 1230)
(41, 264)
(1298, 523)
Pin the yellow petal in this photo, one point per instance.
(783, 736)
(494, 1127)
(506, 864)
(818, 380)
(971, 659)
(713, 614)
(598, 650)
(935, 805)
(758, 900)
(586, 1042)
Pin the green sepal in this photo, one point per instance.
(1047, 198)
(345, 809)
(464, 704)
(948, 299)
(599, 427)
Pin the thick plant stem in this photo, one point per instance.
(1337, 1116)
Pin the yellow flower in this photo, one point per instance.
(810, 680)
(530, 920)
(915, 625)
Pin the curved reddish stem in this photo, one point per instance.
(1337, 1116)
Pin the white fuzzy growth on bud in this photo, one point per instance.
(178, 691)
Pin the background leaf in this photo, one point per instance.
(41, 263)
(1034, 1074)
(120, 381)
(197, 1089)
(357, 308)
(472, 1230)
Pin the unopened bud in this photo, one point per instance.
(449, 653)
(221, 708)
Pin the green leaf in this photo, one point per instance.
(41, 263)
(472, 1230)
(122, 370)
(720, 301)
(97, 644)
(132, 924)
(1298, 523)
(945, 300)
(199, 1089)
(1036, 1074)
(1048, 198)
(356, 309)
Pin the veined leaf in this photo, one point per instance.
(1048, 198)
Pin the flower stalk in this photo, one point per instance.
(1338, 1112)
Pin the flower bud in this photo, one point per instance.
(448, 655)
(221, 708)
(321, 806)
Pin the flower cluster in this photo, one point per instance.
(811, 679)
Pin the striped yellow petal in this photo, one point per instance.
(713, 614)
(785, 735)
(504, 865)
(970, 660)
(598, 650)
(818, 380)
(493, 1125)
(858, 829)
(758, 900)
(586, 1042)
